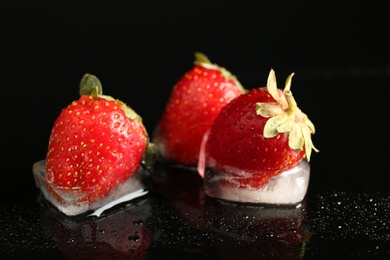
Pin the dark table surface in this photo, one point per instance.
(139, 51)
(346, 212)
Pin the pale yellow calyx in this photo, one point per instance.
(285, 117)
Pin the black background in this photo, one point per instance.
(139, 49)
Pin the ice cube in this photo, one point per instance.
(132, 188)
(287, 188)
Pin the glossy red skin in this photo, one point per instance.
(194, 103)
(236, 140)
(93, 147)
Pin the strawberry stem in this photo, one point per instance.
(292, 104)
(150, 156)
(90, 85)
(203, 61)
(201, 58)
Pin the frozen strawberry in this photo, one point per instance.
(194, 103)
(256, 137)
(96, 146)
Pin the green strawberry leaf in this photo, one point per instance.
(90, 84)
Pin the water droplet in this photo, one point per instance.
(138, 222)
(292, 230)
(134, 238)
(71, 241)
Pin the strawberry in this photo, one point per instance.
(194, 103)
(96, 143)
(258, 135)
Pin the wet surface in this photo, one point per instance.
(139, 50)
(177, 220)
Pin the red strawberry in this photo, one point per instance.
(194, 103)
(96, 143)
(259, 135)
